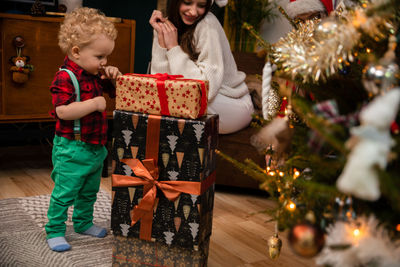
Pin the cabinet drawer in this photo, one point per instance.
(31, 101)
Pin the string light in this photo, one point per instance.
(398, 227)
(296, 174)
(356, 232)
(291, 206)
(273, 172)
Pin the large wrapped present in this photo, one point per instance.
(162, 94)
(163, 187)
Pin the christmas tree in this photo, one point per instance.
(329, 133)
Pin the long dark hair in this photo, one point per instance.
(185, 32)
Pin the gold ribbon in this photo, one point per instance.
(147, 175)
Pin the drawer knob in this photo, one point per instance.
(19, 41)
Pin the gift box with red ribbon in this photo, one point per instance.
(162, 94)
(163, 185)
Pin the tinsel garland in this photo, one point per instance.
(318, 48)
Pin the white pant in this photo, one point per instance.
(234, 113)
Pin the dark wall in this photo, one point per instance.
(140, 11)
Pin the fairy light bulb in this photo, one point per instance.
(398, 227)
(281, 174)
(271, 173)
(291, 206)
(356, 232)
(349, 214)
(368, 50)
(296, 174)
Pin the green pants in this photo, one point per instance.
(77, 168)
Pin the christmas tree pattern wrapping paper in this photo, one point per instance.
(183, 154)
(162, 94)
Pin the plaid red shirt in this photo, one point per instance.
(94, 125)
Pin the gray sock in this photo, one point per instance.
(58, 244)
(96, 231)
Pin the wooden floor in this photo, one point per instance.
(240, 227)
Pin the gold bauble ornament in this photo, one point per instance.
(274, 246)
(310, 217)
(306, 239)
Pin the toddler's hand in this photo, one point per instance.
(100, 103)
(110, 72)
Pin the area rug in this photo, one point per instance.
(23, 239)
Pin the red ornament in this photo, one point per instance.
(306, 239)
(394, 127)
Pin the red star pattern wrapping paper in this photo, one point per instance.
(162, 94)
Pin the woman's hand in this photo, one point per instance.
(156, 20)
(170, 33)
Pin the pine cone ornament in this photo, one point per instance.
(274, 246)
(38, 9)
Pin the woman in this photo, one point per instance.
(191, 42)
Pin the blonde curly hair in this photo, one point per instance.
(81, 26)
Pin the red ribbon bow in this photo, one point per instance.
(163, 76)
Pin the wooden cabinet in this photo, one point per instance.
(31, 101)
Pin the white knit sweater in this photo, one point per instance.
(215, 62)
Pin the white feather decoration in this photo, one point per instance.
(372, 245)
(359, 177)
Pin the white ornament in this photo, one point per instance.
(372, 244)
(266, 87)
(359, 176)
